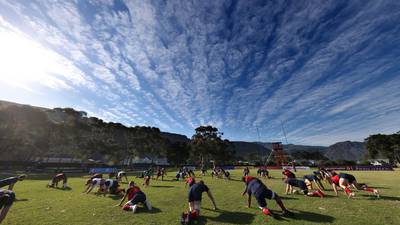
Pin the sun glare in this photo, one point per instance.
(25, 62)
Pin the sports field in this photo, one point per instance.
(39, 205)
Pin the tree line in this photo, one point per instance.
(29, 133)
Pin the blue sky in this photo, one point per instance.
(327, 70)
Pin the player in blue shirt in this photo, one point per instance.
(255, 187)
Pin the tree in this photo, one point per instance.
(207, 144)
(178, 153)
(384, 145)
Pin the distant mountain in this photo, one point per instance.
(250, 149)
(347, 150)
(175, 137)
(289, 148)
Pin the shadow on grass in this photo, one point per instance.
(116, 197)
(152, 211)
(63, 189)
(310, 217)
(287, 198)
(389, 198)
(161, 186)
(227, 217)
(21, 199)
(379, 187)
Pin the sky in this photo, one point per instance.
(322, 71)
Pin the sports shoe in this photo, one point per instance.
(266, 211)
(376, 193)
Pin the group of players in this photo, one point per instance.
(311, 185)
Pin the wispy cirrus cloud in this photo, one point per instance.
(326, 70)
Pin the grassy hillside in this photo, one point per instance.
(38, 205)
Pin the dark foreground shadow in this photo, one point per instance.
(21, 199)
(227, 217)
(310, 217)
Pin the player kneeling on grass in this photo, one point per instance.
(256, 187)
(345, 180)
(57, 178)
(135, 197)
(292, 182)
(121, 174)
(195, 195)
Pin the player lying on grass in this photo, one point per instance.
(344, 181)
(195, 195)
(57, 178)
(135, 197)
(292, 182)
(313, 178)
(95, 182)
(120, 175)
(255, 187)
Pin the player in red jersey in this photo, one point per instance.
(135, 196)
(57, 178)
(345, 180)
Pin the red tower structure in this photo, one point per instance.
(278, 153)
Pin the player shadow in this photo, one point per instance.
(161, 186)
(379, 187)
(116, 197)
(228, 217)
(21, 199)
(310, 217)
(390, 198)
(288, 198)
(153, 210)
(64, 189)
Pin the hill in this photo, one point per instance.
(347, 150)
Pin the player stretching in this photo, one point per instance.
(313, 178)
(345, 180)
(254, 186)
(121, 174)
(57, 178)
(292, 182)
(195, 196)
(135, 196)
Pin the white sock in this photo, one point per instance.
(148, 205)
(134, 207)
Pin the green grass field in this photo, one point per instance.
(39, 205)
